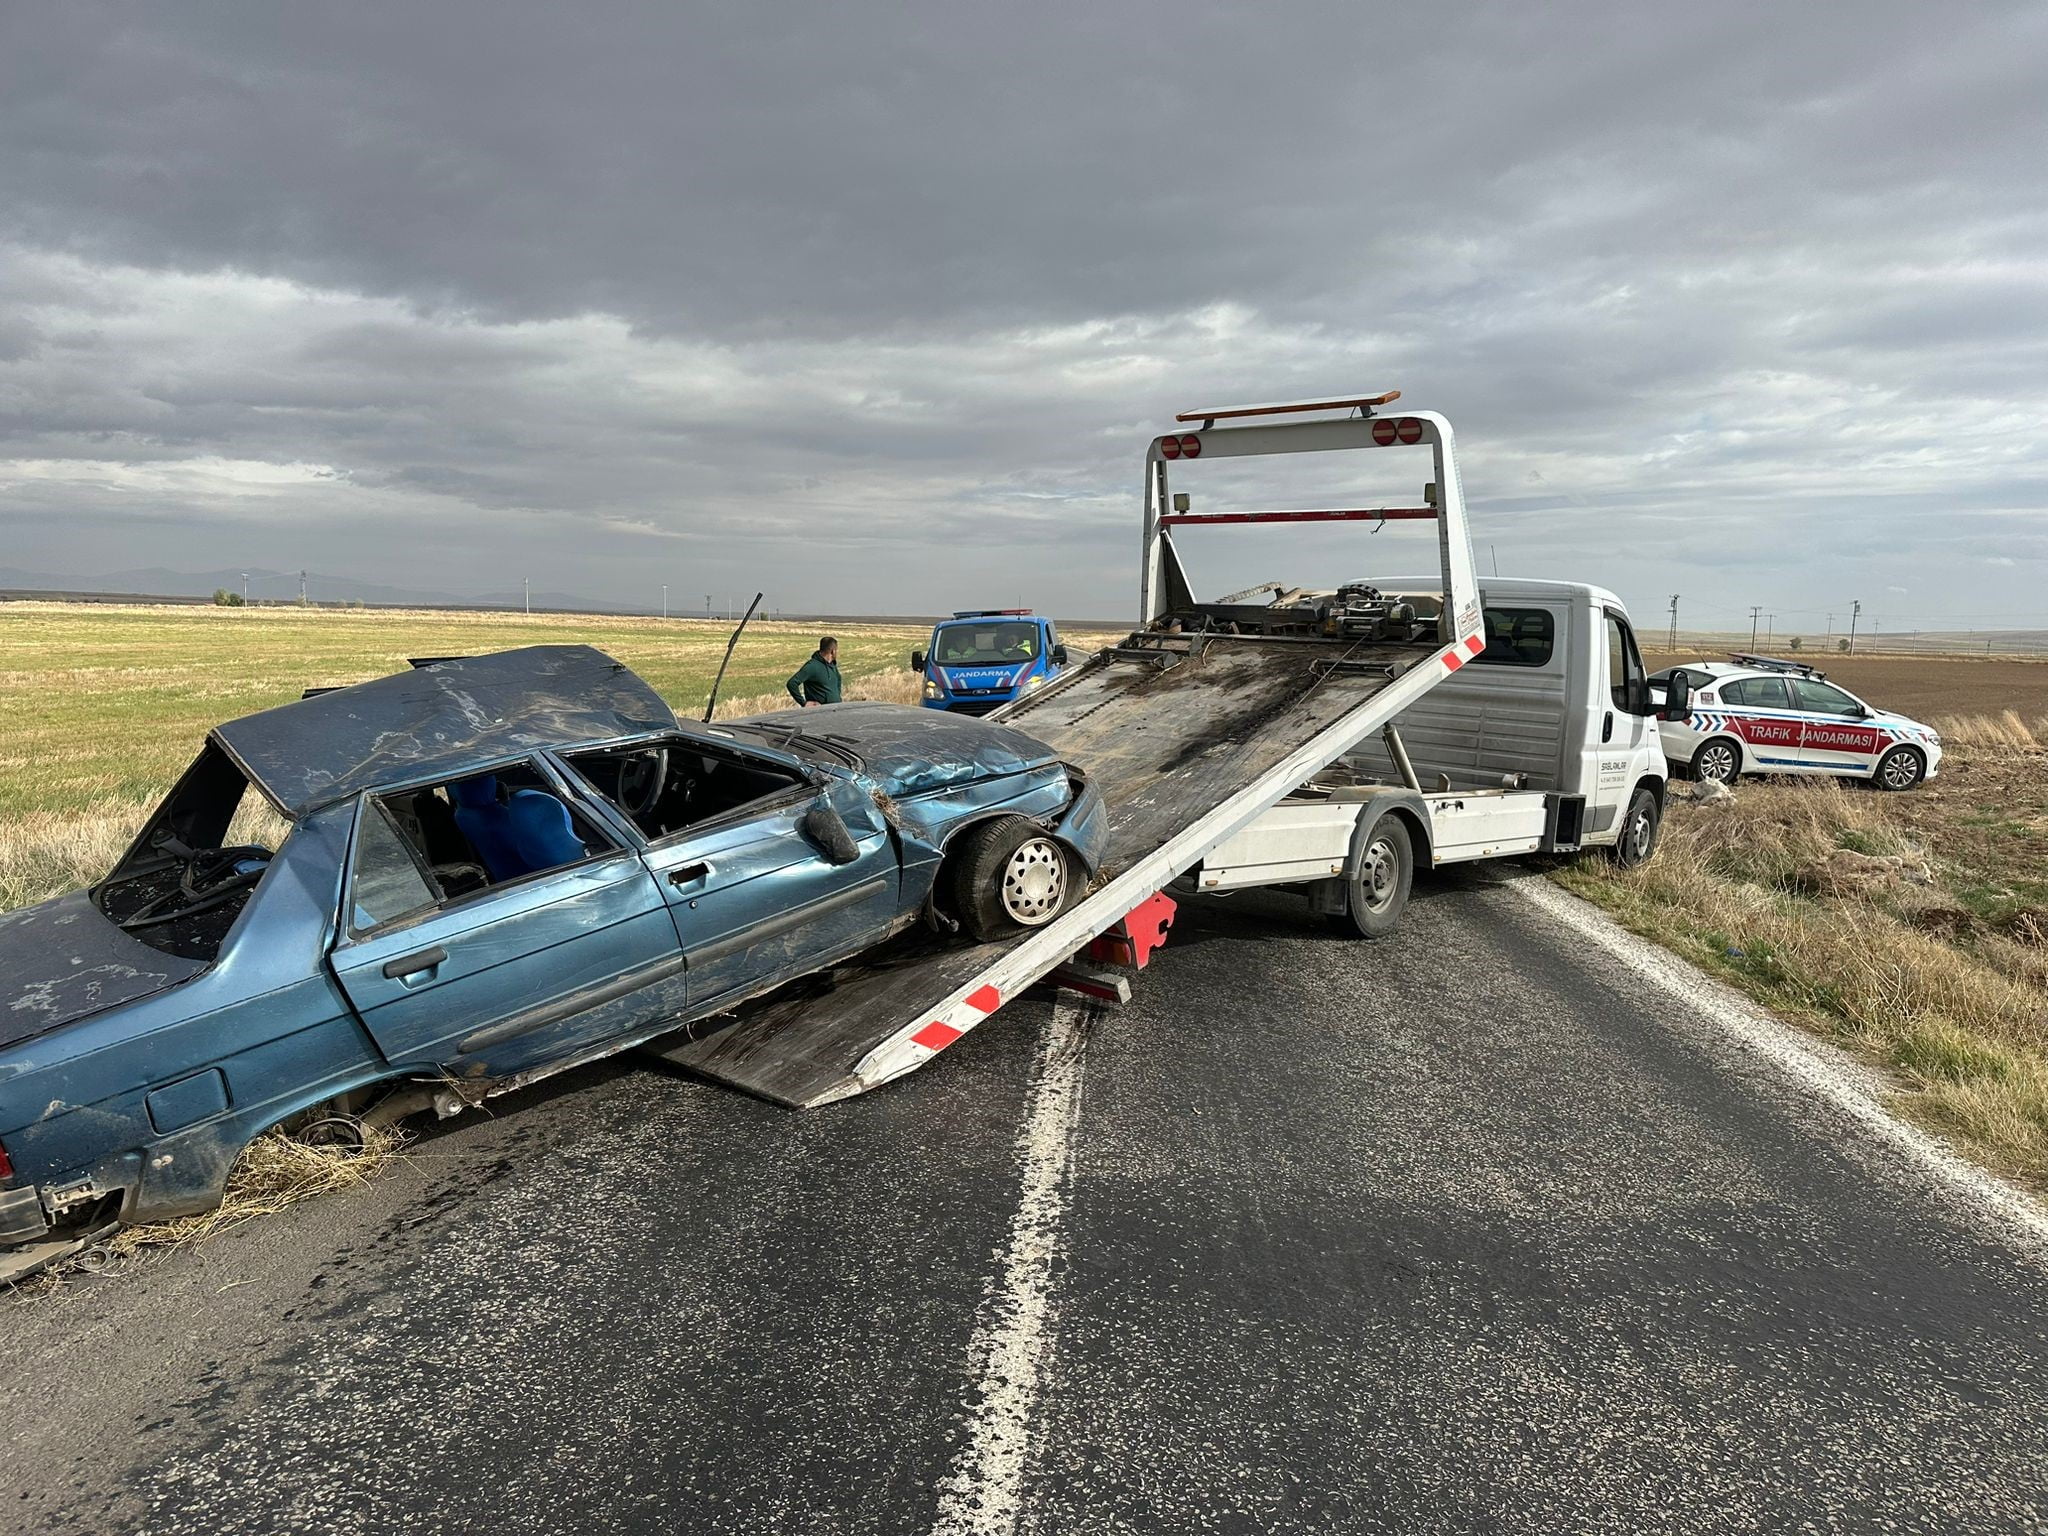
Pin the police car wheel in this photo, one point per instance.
(1718, 761)
(1900, 768)
(1638, 839)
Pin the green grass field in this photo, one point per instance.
(109, 703)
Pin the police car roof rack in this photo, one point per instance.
(1778, 664)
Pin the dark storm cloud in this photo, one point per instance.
(883, 304)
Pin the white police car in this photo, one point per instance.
(1757, 714)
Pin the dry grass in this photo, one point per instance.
(2005, 729)
(274, 1171)
(1914, 928)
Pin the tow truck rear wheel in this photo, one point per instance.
(1009, 874)
(1382, 872)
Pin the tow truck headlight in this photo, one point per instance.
(932, 690)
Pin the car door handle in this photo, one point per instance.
(1607, 727)
(413, 964)
(688, 874)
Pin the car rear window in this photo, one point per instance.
(1518, 637)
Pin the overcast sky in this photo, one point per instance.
(877, 307)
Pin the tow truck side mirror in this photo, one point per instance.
(1677, 698)
(917, 661)
(1059, 655)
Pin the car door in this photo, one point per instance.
(754, 890)
(1835, 734)
(511, 974)
(1760, 710)
(1625, 723)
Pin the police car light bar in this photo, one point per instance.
(989, 613)
(1363, 404)
(1777, 664)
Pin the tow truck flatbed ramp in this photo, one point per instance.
(1171, 730)
(1206, 717)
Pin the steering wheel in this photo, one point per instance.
(642, 777)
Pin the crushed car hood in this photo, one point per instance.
(447, 718)
(63, 960)
(907, 751)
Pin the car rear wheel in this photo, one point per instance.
(1900, 768)
(1717, 761)
(1010, 874)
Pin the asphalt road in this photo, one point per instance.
(1486, 1228)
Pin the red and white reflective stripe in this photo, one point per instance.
(975, 1007)
(1463, 652)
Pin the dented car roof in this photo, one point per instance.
(442, 719)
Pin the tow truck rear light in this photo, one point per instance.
(1408, 429)
(1186, 446)
(1389, 430)
(1169, 447)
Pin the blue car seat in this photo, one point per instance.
(528, 831)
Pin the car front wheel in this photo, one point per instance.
(1717, 762)
(1638, 839)
(1010, 874)
(1900, 768)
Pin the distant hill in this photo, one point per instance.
(266, 586)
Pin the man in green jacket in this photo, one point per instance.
(817, 680)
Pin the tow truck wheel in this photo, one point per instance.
(1717, 762)
(1638, 839)
(1010, 874)
(1900, 768)
(1382, 871)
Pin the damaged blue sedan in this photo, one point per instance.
(474, 874)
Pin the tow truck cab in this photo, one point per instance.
(984, 658)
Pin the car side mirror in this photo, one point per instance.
(1677, 698)
(917, 661)
(1059, 655)
(828, 831)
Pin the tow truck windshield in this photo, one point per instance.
(984, 645)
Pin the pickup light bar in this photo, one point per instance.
(1320, 515)
(1360, 403)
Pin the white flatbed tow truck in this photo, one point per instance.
(1196, 725)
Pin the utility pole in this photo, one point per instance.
(1770, 623)
(302, 589)
(664, 599)
(707, 607)
(1755, 612)
(526, 592)
(245, 589)
(1489, 549)
(1671, 641)
(1855, 608)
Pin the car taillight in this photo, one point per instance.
(6, 1164)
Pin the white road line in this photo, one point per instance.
(1819, 1068)
(982, 1493)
